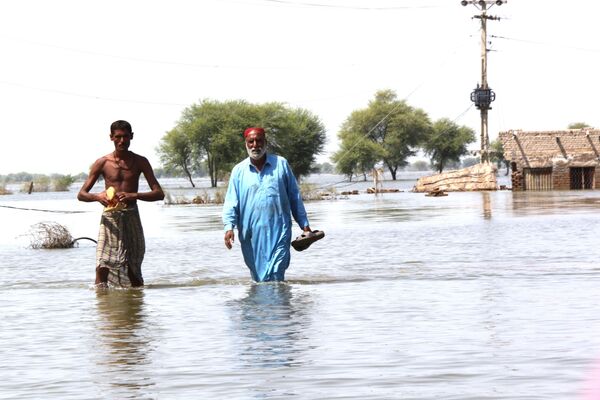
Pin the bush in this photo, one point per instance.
(40, 184)
(61, 183)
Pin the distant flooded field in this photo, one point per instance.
(475, 295)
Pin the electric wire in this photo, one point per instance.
(412, 92)
(587, 49)
(347, 7)
(44, 210)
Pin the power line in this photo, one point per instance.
(595, 50)
(42, 210)
(322, 5)
(87, 96)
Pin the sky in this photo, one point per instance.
(69, 67)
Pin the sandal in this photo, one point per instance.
(303, 241)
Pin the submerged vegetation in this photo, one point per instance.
(216, 196)
(39, 182)
(50, 235)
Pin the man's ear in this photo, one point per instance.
(131, 136)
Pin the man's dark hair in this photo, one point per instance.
(120, 125)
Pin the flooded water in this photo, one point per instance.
(469, 296)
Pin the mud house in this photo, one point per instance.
(553, 160)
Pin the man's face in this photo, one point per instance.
(256, 145)
(121, 139)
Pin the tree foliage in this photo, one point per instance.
(392, 125)
(294, 133)
(497, 154)
(447, 142)
(211, 133)
(578, 125)
(176, 153)
(357, 155)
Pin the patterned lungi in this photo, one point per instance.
(121, 247)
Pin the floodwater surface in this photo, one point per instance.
(491, 295)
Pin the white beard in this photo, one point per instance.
(256, 154)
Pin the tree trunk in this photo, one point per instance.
(213, 173)
(393, 171)
(189, 175)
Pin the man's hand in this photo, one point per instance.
(229, 238)
(103, 199)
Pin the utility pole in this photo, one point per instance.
(483, 96)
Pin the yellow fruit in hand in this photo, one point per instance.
(113, 203)
(110, 193)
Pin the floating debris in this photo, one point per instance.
(50, 235)
(436, 193)
(373, 190)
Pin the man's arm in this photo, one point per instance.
(84, 193)
(230, 210)
(295, 199)
(156, 193)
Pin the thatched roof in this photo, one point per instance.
(579, 147)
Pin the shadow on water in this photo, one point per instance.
(124, 343)
(270, 322)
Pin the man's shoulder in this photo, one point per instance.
(240, 166)
(102, 160)
(139, 157)
(276, 159)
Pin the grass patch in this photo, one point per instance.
(216, 196)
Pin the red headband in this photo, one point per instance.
(253, 130)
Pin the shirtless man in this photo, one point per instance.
(121, 246)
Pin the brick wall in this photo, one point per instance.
(517, 181)
(561, 179)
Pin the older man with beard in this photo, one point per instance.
(261, 199)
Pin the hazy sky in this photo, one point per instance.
(70, 68)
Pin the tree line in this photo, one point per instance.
(207, 137)
(207, 140)
(389, 131)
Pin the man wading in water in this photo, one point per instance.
(121, 245)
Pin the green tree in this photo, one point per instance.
(62, 183)
(357, 155)
(176, 153)
(578, 125)
(447, 142)
(213, 130)
(294, 133)
(497, 154)
(397, 127)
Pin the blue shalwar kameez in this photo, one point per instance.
(261, 204)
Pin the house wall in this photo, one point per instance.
(561, 178)
(559, 150)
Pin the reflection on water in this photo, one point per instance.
(124, 343)
(270, 321)
(473, 295)
(487, 205)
